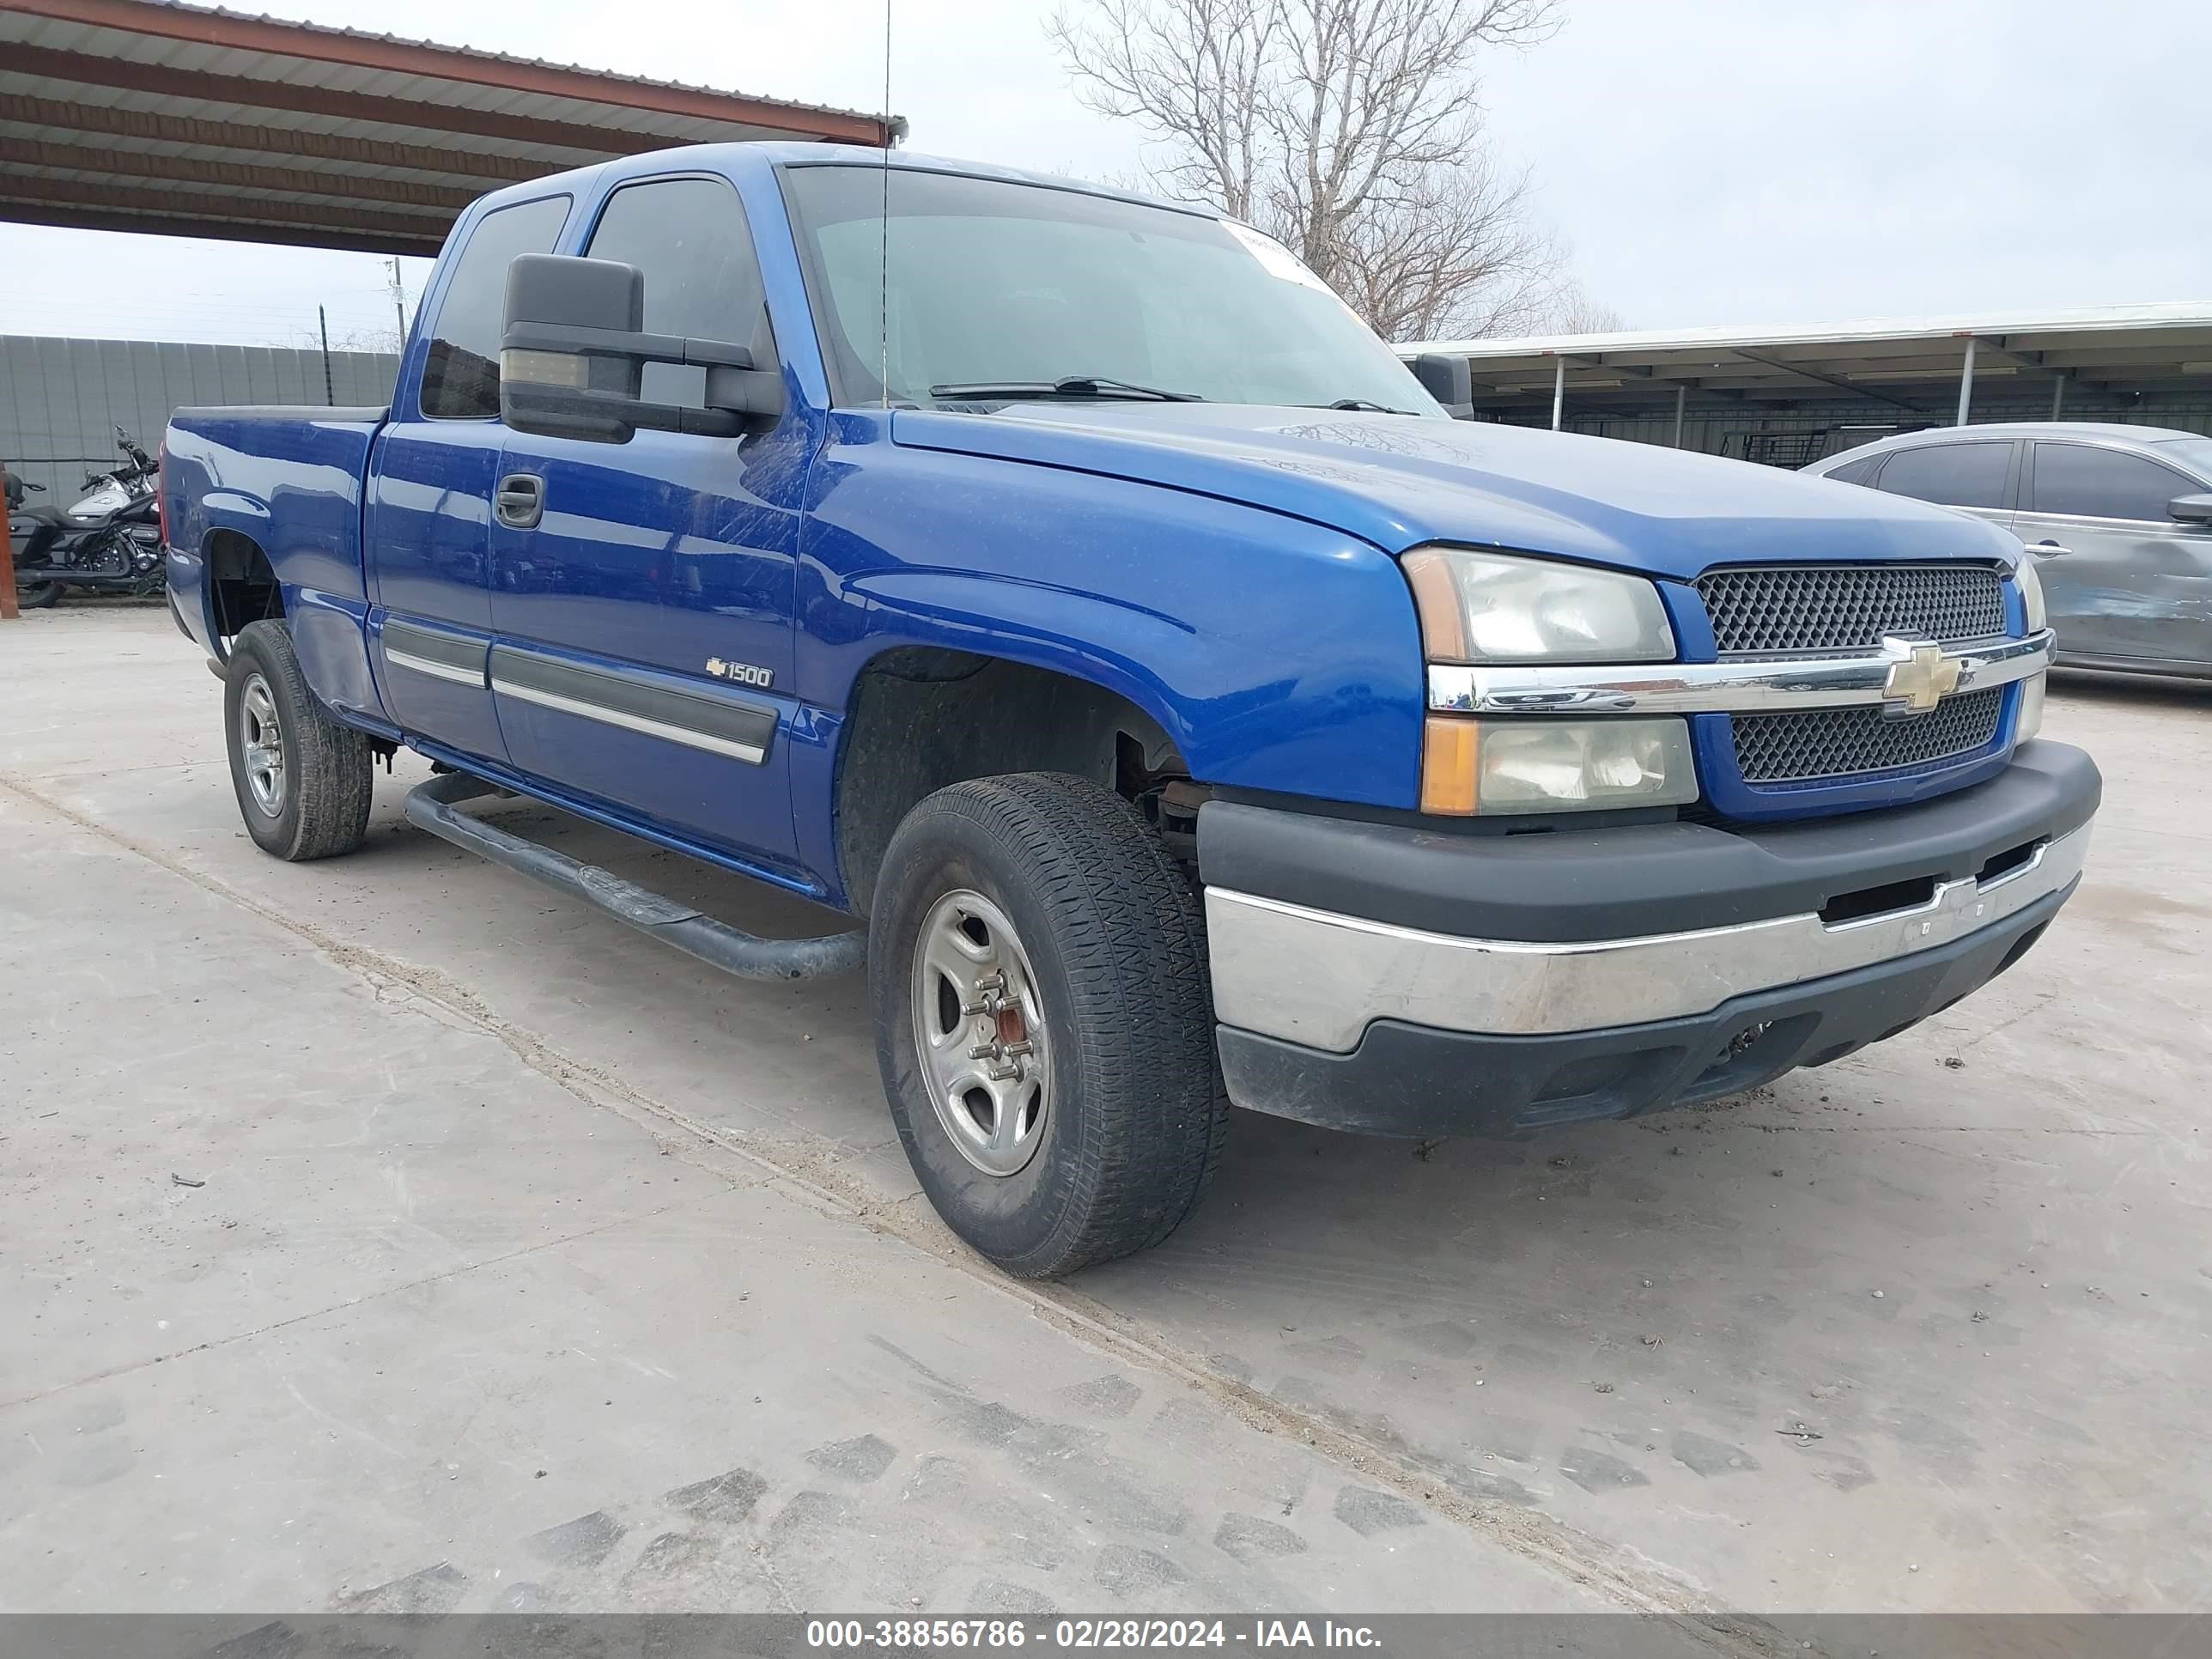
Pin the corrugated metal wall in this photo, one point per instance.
(61, 400)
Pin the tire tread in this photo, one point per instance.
(1131, 937)
(333, 776)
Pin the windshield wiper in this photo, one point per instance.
(1367, 403)
(1068, 386)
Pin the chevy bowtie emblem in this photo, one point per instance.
(1920, 675)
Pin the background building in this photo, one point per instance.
(1789, 396)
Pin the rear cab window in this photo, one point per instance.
(460, 372)
(1967, 474)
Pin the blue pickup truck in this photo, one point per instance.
(1069, 588)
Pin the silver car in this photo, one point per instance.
(2118, 519)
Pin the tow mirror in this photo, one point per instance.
(1449, 380)
(573, 352)
(2191, 509)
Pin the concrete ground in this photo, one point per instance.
(525, 1264)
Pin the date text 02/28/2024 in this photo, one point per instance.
(903, 1634)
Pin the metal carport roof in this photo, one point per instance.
(1923, 365)
(147, 115)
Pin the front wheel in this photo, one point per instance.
(1038, 969)
(303, 780)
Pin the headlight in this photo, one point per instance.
(1494, 608)
(1554, 765)
(2031, 592)
(1487, 607)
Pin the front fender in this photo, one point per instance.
(1127, 648)
(1279, 655)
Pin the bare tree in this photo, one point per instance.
(1195, 72)
(1451, 256)
(1570, 309)
(1348, 130)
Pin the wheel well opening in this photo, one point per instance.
(923, 717)
(242, 583)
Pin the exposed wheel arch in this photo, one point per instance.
(923, 717)
(242, 584)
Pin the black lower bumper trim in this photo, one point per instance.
(1570, 884)
(1414, 1081)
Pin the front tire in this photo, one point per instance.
(303, 780)
(1037, 971)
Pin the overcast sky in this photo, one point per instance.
(1706, 161)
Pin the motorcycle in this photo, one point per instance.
(108, 541)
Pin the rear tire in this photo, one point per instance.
(1037, 972)
(35, 596)
(303, 780)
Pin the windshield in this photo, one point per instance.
(995, 286)
(2195, 453)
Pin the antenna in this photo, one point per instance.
(398, 304)
(883, 272)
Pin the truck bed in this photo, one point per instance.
(288, 479)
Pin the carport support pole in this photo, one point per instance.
(1681, 394)
(1558, 389)
(2057, 395)
(1966, 384)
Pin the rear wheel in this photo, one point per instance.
(35, 596)
(1037, 967)
(303, 780)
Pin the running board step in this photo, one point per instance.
(434, 805)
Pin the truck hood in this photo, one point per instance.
(1397, 481)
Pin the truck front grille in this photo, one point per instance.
(1838, 743)
(1788, 610)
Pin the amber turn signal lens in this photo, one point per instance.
(1436, 602)
(1448, 758)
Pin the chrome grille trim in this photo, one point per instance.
(1764, 611)
(1737, 686)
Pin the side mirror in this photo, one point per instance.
(572, 354)
(1449, 380)
(2191, 509)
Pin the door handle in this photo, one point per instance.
(2048, 549)
(520, 500)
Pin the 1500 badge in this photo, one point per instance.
(743, 673)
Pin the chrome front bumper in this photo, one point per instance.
(1320, 979)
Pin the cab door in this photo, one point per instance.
(645, 598)
(2121, 578)
(426, 519)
